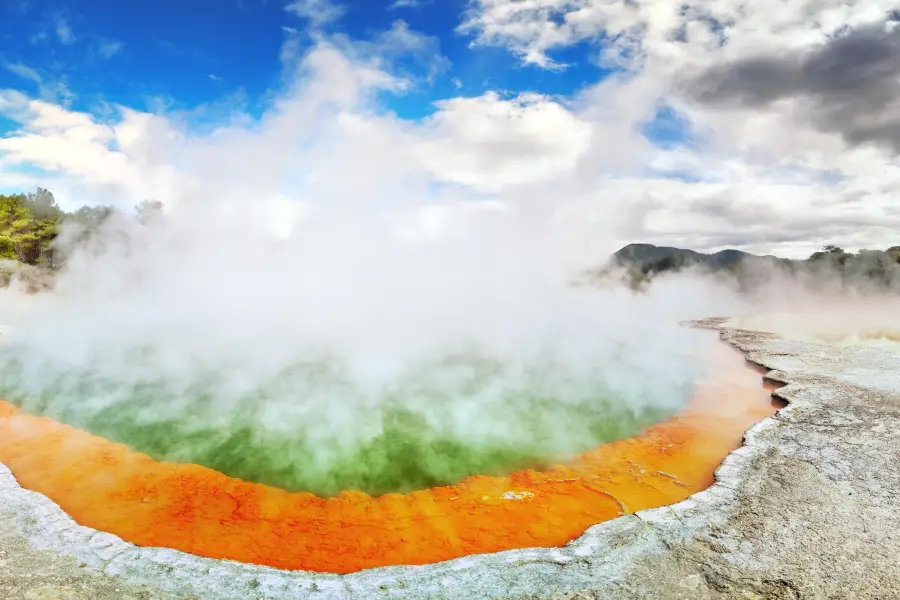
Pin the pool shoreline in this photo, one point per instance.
(608, 556)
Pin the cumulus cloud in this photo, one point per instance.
(487, 142)
(788, 91)
(316, 12)
(765, 176)
(397, 44)
(674, 29)
(849, 84)
(52, 89)
(109, 48)
(64, 30)
(404, 4)
(25, 72)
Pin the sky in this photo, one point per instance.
(771, 126)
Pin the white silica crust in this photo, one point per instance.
(607, 553)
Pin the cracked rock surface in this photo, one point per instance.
(806, 508)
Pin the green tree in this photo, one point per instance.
(12, 209)
(149, 211)
(28, 226)
(43, 205)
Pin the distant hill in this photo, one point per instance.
(642, 262)
(648, 255)
(649, 259)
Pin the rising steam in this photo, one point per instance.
(346, 354)
(371, 330)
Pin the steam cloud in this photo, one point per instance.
(374, 330)
(228, 344)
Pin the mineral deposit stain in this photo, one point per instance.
(108, 487)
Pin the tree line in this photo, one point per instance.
(29, 224)
(832, 265)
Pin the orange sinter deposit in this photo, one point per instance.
(108, 487)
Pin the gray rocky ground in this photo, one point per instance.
(806, 509)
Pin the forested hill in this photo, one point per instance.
(663, 258)
(644, 261)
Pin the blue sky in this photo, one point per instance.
(151, 53)
(512, 123)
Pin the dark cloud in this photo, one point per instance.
(851, 84)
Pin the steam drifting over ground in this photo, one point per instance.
(872, 321)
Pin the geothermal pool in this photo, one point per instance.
(312, 428)
(233, 484)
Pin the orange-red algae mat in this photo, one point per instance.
(108, 487)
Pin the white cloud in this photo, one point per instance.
(109, 48)
(396, 4)
(64, 30)
(396, 43)
(215, 78)
(317, 12)
(25, 72)
(489, 143)
(672, 29)
(757, 155)
(40, 37)
(52, 90)
(756, 179)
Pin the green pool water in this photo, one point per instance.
(314, 427)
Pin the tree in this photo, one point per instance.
(829, 250)
(12, 209)
(84, 223)
(28, 226)
(149, 211)
(91, 216)
(43, 205)
(894, 253)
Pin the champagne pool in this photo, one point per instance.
(458, 455)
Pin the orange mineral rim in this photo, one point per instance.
(108, 487)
